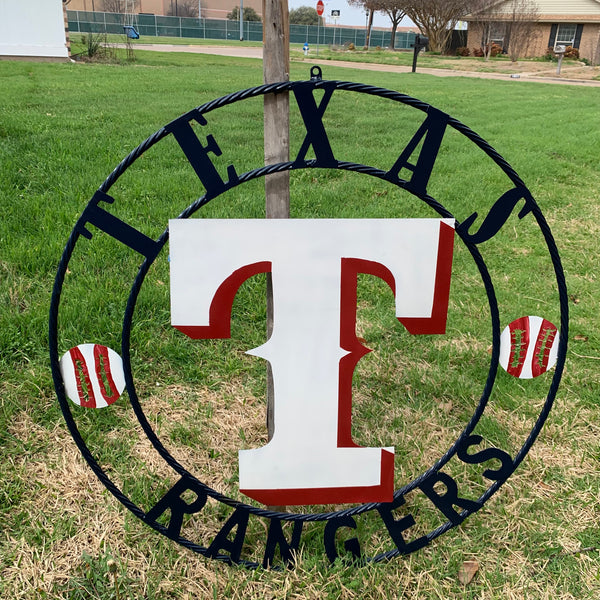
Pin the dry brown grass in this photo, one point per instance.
(76, 519)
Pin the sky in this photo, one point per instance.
(348, 14)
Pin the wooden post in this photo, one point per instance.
(276, 67)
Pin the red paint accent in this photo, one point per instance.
(101, 353)
(436, 323)
(521, 324)
(220, 308)
(384, 492)
(80, 367)
(350, 269)
(547, 332)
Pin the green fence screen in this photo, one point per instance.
(224, 29)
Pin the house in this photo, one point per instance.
(574, 23)
(33, 29)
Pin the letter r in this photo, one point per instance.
(313, 349)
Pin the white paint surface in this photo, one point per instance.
(33, 28)
(304, 349)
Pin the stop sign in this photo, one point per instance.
(320, 7)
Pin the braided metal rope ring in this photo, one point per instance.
(341, 516)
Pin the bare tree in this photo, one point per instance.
(485, 16)
(119, 6)
(184, 8)
(370, 7)
(437, 18)
(394, 10)
(521, 25)
(516, 20)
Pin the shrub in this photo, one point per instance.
(96, 49)
(351, 46)
(478, 52)
(93, 44)
(495, 50)
(463, 51)
(571, 52)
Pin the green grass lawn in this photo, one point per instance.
(64, 127)
(113, 38)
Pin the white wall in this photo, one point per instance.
(32, 28)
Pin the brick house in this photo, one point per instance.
(574, 23)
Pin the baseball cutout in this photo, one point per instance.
(528, 347)
(93, 375)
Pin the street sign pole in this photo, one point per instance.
(320, 10)
(241, 20)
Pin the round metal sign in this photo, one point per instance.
(467, 449)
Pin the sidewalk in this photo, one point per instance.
(256, 52)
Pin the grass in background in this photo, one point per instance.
(375, 55)
(114, 38)
(62, 130)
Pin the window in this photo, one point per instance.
(493, 33)
(497, 33)
(565, 35)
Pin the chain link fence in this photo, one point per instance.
(224, 29)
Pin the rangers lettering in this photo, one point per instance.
(276, 538)
(352, 545)
(482, 456)
(445, 502)
(178, 507)
(396, 527)
(238, 519)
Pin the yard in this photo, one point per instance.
(64, 127)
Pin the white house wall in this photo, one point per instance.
(573, 10)
(572, 7)
(33, 28)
